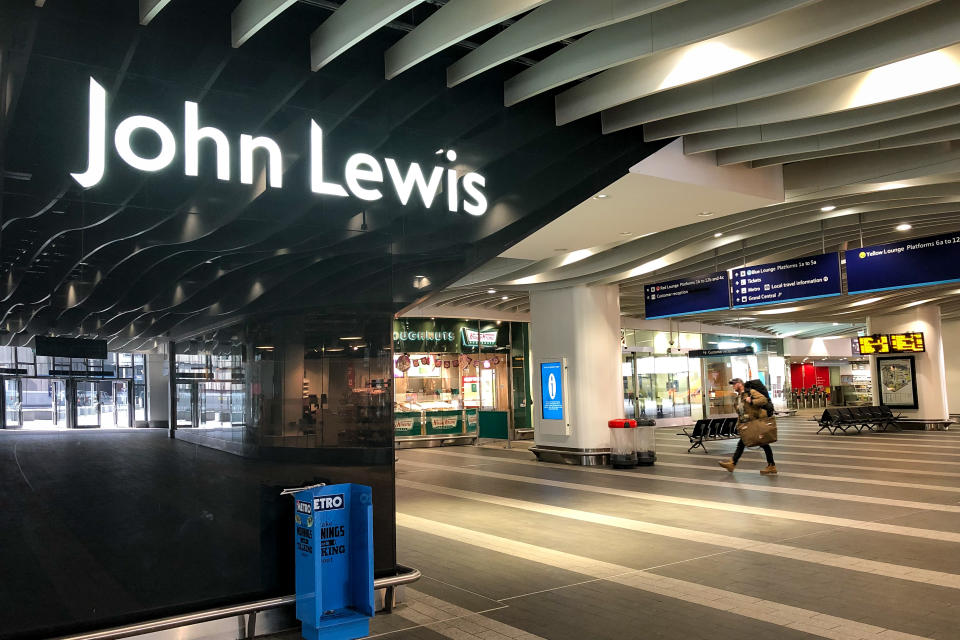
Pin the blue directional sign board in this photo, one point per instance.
(908, 263)
(690, 295)
(551, 390)
(791, 280)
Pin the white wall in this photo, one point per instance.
(158, 389)
(931, 374)
(951, 351)
(819, 347)
(581, 324)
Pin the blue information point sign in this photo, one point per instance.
(334, 560)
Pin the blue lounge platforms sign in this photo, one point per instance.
(690, 295)
(909, 263)
(788, 281)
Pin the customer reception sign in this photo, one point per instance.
(690, 295)
(909, 263)
(798, 279)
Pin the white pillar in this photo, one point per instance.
(581, 325)
(930, 371)
(158, 390)
(951, 345)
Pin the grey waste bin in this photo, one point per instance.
(646, 442)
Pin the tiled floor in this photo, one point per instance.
(859, 537)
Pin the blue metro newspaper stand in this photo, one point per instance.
(334, 560)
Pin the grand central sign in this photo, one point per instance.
(363, 174)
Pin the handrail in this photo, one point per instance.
(405, 575)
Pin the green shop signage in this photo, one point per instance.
(446, 335)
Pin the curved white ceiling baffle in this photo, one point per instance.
(633, 39)
(451, 23)
(821, 99)
(351, 23)
(252, 15)
(782, 34)
(904, 110)
(920, 32)
(839, 138)
(148, 9)
(555, 21)
(929, 136)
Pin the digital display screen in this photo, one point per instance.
(790, 280)
(551, 390)
(689, 295)
(909, 263)
(892, 343)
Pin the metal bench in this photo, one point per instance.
(859, 418)
(710, 429)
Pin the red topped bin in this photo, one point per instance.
(623, 447)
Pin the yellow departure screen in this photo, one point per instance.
(907, 342)
(874, 344)
(892, 343)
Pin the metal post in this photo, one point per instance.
(172, 381)
(511, 396)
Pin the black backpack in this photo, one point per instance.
(761, 388)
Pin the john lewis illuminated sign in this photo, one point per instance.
(362, 173)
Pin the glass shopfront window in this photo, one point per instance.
(459, 378)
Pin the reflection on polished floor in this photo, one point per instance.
(856, 538)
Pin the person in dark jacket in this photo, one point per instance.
(752, 404)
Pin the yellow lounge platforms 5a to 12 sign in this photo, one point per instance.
(892, 343)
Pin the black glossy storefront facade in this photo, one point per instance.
(287, 281)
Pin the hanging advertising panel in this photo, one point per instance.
(908, 263)
(788, 281)
(690, 295)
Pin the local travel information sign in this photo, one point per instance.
(690, 295)
(908, 263)
(797, 279)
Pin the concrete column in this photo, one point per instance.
(582, 325)
(951, 347)
(158, 390)
(930, 370)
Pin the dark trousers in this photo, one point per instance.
(739, 452)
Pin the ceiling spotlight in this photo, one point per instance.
(626, 233)
(505, 297)
(836, 324)
(718, 234)
(827, 208)
(601, 195)
(705, 214)
(491, 291)
(904, 227)
(438, 152)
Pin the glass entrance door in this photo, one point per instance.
(188, 408)
(121, 398)
(43, 403)
(11, 403)
(88, 403)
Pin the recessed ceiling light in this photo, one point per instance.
(626, 233)
(836, 324)
(827, 208)
(705, 214)
(491, 290)
(505, 297)
(601, 195)
(718, 234)
(561, 249)
(419, 276)
(904, 227)
(352, 338)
